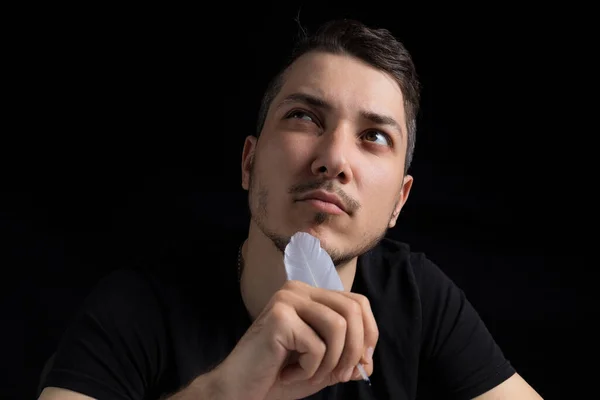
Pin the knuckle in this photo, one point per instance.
(363, 301)
(281, 296)
(293, 285)
(289, 285)
(280, 312)
(339, 323)
(354, 308)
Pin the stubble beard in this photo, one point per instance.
(259, 213)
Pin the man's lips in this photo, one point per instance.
(325, 201)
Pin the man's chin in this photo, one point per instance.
(329, 240)
(325, 237)
(328, 236)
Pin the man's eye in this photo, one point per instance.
(300, 115)
(377, 137)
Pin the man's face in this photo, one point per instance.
(337, 128)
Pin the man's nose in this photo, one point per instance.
(331, 159)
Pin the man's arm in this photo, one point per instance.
(203, 387)
(207, 386)
(54, 393)
(514, 387)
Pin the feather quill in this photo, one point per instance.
(307, 262)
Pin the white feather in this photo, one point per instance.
(306, 261)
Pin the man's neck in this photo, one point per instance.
(264, 271)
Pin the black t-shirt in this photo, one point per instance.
(146, 333)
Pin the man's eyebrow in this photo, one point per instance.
(305, 99)
(381, 119)
(318, 102)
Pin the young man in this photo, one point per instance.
(335, 138)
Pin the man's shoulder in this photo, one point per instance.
(395, 262)
(394, 254)
(124, 292)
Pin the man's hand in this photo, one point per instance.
(305, 339)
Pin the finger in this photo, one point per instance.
(370, 328)
(371, 331)
(331, 327)
(351, 311)
(298, 337)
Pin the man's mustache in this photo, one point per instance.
(350, 204)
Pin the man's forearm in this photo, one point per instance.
(206, 387)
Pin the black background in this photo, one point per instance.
(124, 130)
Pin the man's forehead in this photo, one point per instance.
(323, 72)
(341, 81)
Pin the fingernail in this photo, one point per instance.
(369, 357)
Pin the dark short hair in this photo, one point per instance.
(377, 47)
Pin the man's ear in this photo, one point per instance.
(402, 197)
(247, 160)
